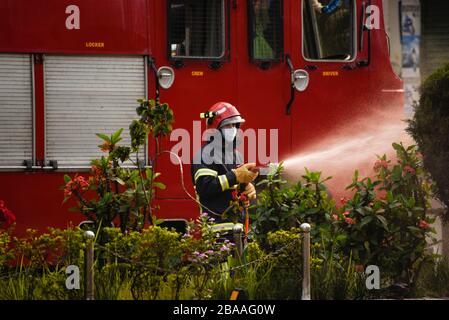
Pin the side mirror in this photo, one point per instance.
(300, 80)
(165, 77)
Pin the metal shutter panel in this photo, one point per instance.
(435, 35)
(85, 96)
(16, 109)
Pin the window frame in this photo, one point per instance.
(226, 19)
(354, 37)
(279, 57)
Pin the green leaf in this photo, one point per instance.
(365, 221)
(159, 185)
(390, 196)
(103, 137)
(157, 174)
(117, 179)
(115, 136)
(397, 147)
(67, 179)
(367, 247)
(397, 173)
(157, 221)
(414, 230)
(383, 221)
(411, 202)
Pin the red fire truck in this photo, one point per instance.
(72, 68)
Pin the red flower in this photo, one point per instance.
(335, 217)
(382, 195)
(243, 197)
(343, 201)
(349, 221)
(235, 195)
(7, 217)
(409, 169)
(76, 185)
(423, 225)
(97, 172)
(346, 213)
(359, 268)
(105, 147)
(381, 164)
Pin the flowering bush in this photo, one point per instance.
(7, 217)
(114, 194)
(158, 261)
(281, 206)
(385, 222)
(236, 206)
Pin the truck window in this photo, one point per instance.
(265, 30)
(328, 29)
(196, 29)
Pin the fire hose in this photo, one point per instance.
(181, 172)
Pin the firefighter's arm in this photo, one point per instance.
(208, 183)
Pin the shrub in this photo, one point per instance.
(434, 279)
(385, 222)
(430, 129)
(40, 262)
(7, 217)
(282, 206)
(114, 194)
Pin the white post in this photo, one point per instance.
(238, 230)
(305, 228)
(89, 265)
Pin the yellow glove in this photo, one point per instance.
(244, 173)
(250, 191)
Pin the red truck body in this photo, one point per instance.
(338, 91)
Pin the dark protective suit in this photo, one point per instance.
(213, 178)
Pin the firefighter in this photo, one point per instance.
(217, 169)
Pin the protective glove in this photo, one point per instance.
(244, 173)
(250, 191)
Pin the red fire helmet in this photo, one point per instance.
(221, 114)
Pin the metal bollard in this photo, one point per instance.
(305, 227)
(89, 265)
(238, 230)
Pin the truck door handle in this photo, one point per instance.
(288, 109)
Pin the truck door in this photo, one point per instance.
(198, 40)
(263, 77)
(333, 77)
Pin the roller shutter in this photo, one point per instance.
(85, 96)
(16, 109)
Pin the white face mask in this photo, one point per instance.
(229, 134)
